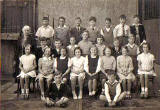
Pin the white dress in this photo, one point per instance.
(147, 63)
(27, 62)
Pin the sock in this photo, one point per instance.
(142, 89)
(146, 89)
(27, 91)
(128, 92)
(22, 91)
(42, 94)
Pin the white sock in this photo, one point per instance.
(146, 89)
(142, 89)
(22, 90)
(27, 91)
(128, 92)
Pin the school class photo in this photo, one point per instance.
(87, 54)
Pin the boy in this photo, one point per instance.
(107, 32)
(62, 31)
(56, 94)
(93, 30)
(116, 48)
(121, 31)
(113, 93)
(45, 30)
(56, 50)
(77, 30)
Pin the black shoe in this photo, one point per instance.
(106, 104)
(16, 91)
(27, 96)
(64, 105)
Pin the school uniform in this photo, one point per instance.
(108, 35)
(122, 32)
(63, 33)
(93, 33)
(92, 65)
(76, 32)
(116, 52)
(139, 31)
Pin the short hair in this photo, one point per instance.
(115, 39)
(93, 46)
(125, 47)
(57, 40)
(110, 72)
(28, 45)
(131, 35)
(145, 43)
(25, 27)
(108, 19)
(72, 37)
(77, 48)
(100, 36)
(63, 47)
(122, 16)
(92, 18)
(109, 47)
(78, 18)
(62, 18)
(42, 39)
(45, 18)
(136, 16)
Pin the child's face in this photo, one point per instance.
(27, 50)
(116, 43)
(131, 40)
(45, 22)
(145, 48)
(108, 23)
(92, 23)
(136, 20)
(72, 40)
(78, 22)
(61, 22)
(63, 52)
(47, 52)
(99, 40)
(58, 44)
(77, 53)
(107, 52)
(124, 51)
(57, 78)
(85, 35)
(27, 31)
(122, 20)
(93, 51)
(111, 78)
(43, 43)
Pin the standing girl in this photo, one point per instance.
(100, 45)
(145, 68)
(92, 68)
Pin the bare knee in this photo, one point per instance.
(65, 80)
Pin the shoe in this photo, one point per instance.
(23, 95)
(75, 97)
(106, 105)
(142, 95)
(79, 97)
(64, 105)
(146, 95)
(27, 96)
(90, 93)
(43, 98)
(93, 93)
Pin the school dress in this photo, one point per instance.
(108, 35)
(139, 31)
(77, 64)
(27, 62)
(92, 65)
(70, 49)
(125, 68)
(93, 33)
(46, 65)
(146, 64)
(107, 63)
(55, 93)
(100, 49)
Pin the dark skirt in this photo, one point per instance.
(91, 77)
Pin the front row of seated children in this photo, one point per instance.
(91, 67)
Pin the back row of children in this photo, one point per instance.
(93, 59)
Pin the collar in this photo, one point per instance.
(93, 27)
(62, 27)
(132, 46)
(46, 27)
(62, 57)
(45, 58)
(113, 82)
(136, 24)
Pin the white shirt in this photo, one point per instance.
(118, 30)
(47, 32)
(107, 29)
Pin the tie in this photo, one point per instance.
(123, 31)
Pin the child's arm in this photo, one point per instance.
(115, 32)
(21, 67)
(118, 65)
(33, 67)
(107, 93)
(114, 64)
(86, 67)
(98, 66)
(69, 67)
(118, 92)
(40, 66)
(102, 69)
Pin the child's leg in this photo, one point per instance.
(80, 82)
(129, 83)
(41, 84)
(142, 83)
(124, 85)
(94, 86)
(65, 80)
(90, 82)
(49, 80)
(103, 82)
(63, 100)
(122, 96)
(73, 84)
(27, 84)
(22, 84)
(146, 85)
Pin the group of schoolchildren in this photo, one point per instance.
(114, 57)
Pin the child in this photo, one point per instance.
(56, 94)
(137, 29)
(27, 66)
(93, 30)
(100, 45)
(77, 72)
(56, 50)
(85, 44)
(61, 64)
(133, 51)
(77, 30)
(71, 47)
(45, 65)
(116, 48)
(92, 67)
(107, 32)
(124, 71)
(145, 68)
(113, 94)
(62, 31)
(108, 63)
(121, 31)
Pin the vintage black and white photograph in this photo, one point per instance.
(80, 54)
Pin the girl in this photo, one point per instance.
(27, 66)
(45, 65)
(71, 47)
(145, 68)
(116, 48)
(100, 45)
(108, 63)
(77, 72)
(124, 71)
(61, 64)
(92, 68)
